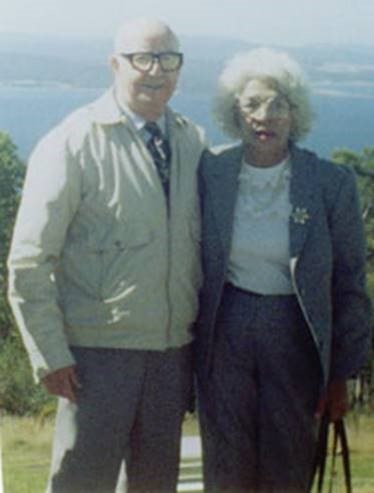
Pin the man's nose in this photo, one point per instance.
(156, 67)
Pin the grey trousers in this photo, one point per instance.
(131, 407)
(257, 407)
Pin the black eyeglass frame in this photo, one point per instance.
(154, 57)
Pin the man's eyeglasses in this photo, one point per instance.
(169, 61)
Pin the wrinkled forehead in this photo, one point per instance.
(262, 87)
(146, 38)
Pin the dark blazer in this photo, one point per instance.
(327, 255)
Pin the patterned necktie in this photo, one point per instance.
(160, 151)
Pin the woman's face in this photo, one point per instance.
(265, 120)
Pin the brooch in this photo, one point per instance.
(300, 215)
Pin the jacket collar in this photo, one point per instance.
(106, 111)
(224, 183)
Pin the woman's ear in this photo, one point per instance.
(236, 113)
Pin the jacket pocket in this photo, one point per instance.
(122, 261)
(100, 270)
(80, 271)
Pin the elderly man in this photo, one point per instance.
(104, 272)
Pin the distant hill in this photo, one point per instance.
(27, 59)
(43, 78)
(83, 62)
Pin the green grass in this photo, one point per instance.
(26, 453)
(360, 430)
(361, 440)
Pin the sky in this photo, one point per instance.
(279, 22)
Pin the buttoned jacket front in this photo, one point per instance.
(327, 255)
(97, 258)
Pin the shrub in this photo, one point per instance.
(19, 394)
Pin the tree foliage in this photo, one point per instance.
(11, 177)
(18, 393)
(363, 165)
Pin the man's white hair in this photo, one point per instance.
(269, 65)
(135, 27)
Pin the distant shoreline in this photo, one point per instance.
(40, 84)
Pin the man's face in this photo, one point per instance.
(145, 93)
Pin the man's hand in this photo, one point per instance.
(335, 401)
(63, 382)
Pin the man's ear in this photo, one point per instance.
(114, 63)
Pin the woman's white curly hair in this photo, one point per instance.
(264, 64)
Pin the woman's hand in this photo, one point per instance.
(335, 401)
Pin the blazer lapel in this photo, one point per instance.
(223, 191)
(302, 193)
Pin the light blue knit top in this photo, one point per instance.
(259, 257)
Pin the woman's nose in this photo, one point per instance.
(263, 112)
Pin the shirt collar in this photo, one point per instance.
(139, 122)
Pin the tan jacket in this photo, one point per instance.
(96, 259)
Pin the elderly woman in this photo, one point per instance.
(284, 316)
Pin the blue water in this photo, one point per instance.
(28, 113)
